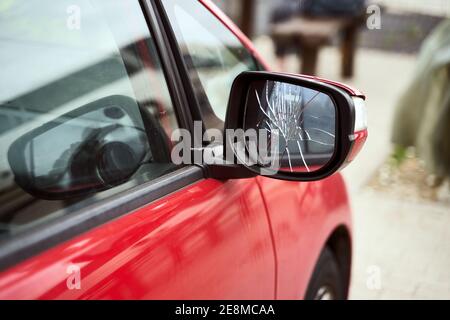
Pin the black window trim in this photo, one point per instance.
(40, 238)
(169, 64)
(171, 42)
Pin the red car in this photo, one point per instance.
(93, 205)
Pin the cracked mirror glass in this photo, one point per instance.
(298, 125)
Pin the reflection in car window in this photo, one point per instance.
(213, 55)
(78, 77)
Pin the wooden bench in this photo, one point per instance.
(309, 34)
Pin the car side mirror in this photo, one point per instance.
(291, 127)
(93, 148)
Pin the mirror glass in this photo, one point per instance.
(92, 148)
(296, 126)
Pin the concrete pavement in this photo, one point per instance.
(401, 246)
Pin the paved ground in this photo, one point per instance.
(402, 247)
(399, 32)
(435, 7)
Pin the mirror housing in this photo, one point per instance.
(279, 101)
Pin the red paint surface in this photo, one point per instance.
(303, 215)
(208, 241)
(243, 239)
(360, 139)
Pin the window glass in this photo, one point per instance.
(213, 55)
(84, 108)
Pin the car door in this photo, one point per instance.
(165, 231)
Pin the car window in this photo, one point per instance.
(85, 112)
(213, 55)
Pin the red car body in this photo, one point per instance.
(255, 238)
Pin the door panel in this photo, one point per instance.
(303, 216)
(208, 241)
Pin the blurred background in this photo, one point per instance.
(398, 53)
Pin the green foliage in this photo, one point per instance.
(399, 154)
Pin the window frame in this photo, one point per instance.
(40, 238)
(193, 103)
